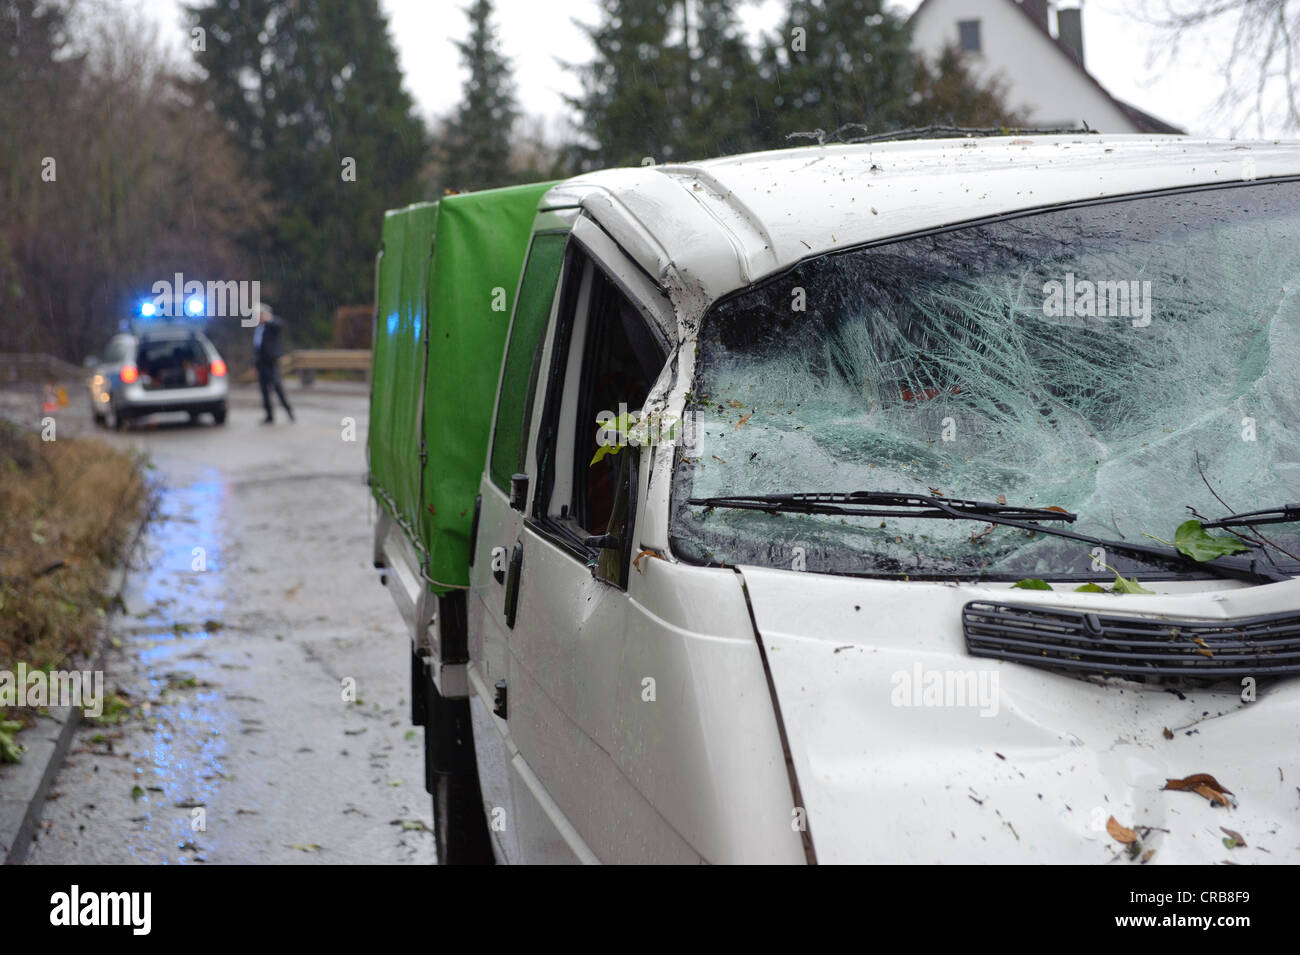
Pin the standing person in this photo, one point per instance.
(267, 349)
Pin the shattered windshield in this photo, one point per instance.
(1123, 361)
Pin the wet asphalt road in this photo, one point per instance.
(251, 601)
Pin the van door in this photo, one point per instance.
(497, 523)
(566, 602)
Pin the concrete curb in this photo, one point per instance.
(26, 784)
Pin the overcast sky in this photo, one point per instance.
(1125, 54)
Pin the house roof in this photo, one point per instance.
(1144, 121)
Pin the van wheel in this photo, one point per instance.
(219, 416)
(460, 832)
(459, 826)
(115, 419)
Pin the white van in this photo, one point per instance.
(923, 501)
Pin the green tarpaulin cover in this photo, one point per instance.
(447, 278)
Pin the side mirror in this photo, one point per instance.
(518, 491)
(614, 547)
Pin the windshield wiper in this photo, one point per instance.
(903, 505)
(1286, 514)
(1008, 515)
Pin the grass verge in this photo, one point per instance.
(66, 508)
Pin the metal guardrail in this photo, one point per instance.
(306, 362)
(328, 359)
(19, 369)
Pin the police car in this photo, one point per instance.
(154, 366)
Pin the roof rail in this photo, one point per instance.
(929, 132)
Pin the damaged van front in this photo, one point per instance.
(1010, 504)
(922, 501)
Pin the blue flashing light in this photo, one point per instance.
(194, 306)
(148, 309)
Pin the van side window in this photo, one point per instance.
(523, 353)
(608, 359)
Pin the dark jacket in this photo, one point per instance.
(272, 343)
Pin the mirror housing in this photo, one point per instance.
(518, 491)
(615, 551)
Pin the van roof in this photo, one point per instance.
(708, 228)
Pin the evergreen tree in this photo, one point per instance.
(724, 89)
(836, 62)
(671, 80)
(477, 148)
(312, 92)
(632, 101)
(946, 94)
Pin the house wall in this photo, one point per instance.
(1041, 80)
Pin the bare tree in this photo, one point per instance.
(117, 181)
(1263, 61)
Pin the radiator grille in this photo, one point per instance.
(1108, 643)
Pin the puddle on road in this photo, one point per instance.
(176, 601)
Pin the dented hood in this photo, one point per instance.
(908, 749)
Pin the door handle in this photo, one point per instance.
(512, 583)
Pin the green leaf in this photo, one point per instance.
(1031, 583)
(1128, 585)
(1090, 588)
(603, 450)
(136, 792)
(10, 750)
(1193, 540)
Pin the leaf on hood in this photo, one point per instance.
(1233, 839)
(1089, 588)
(1167, 733)
(1128, 585)
(1031, 583)
(741, 422)
(1203, 784)
(1213, 795)
(1192, 539)
(1119, 833)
